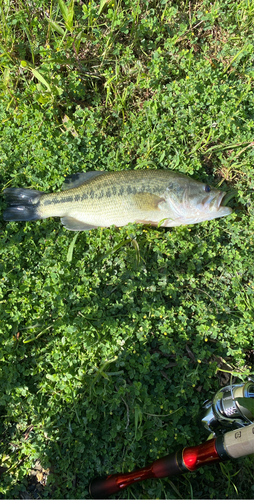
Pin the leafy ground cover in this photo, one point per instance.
(112, 341)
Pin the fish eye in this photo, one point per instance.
(207, 189)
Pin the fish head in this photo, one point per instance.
(193, 201)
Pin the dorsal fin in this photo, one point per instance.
(76, 180)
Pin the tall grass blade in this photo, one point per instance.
(70, 16)
(67, 13)
(40, 77)
(71, 248)
(56, 27)
(102, 5)
(64, 9)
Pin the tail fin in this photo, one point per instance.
(22, 204)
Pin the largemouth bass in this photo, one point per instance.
(101, 199)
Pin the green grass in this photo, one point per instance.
(111, 342)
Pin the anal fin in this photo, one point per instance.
(76, 225)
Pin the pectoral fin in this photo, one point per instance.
(155, 203)
(163, 205)
(76, 225)
(147, 201)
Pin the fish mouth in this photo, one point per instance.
(217, 208)
(219, 200)
(213, 203)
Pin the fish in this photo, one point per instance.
(100, 199)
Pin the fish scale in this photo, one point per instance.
(107, 199)
(102, 199)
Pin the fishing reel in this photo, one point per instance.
(231, 413)
(231, 407)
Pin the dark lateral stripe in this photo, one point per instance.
(47, 202)
(56, 201)
(108, 191)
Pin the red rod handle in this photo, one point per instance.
(188, 459)
(233, 444)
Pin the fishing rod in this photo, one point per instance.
(230, 414)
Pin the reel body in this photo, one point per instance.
(227, 409)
